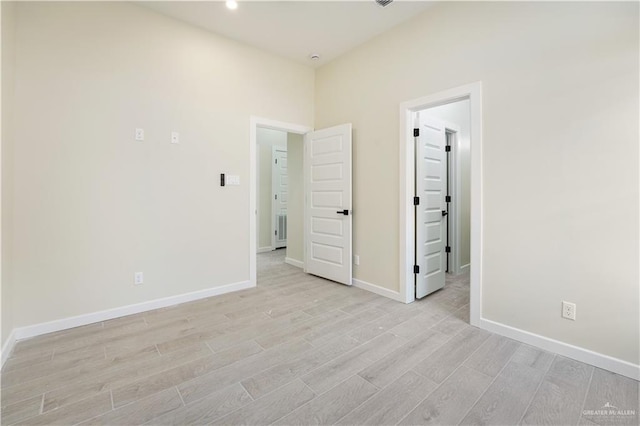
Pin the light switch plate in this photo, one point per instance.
(233, 180)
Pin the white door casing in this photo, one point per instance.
(279, 197)
(328, 232)
(431, 183)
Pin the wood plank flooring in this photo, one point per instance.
(300, 350)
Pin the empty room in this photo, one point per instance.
(320, 212)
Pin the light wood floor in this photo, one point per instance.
(302, 350)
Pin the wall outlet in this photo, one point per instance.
(356, 259)
(175, 137)
(139, 134)
(138, 278)
(569, 310)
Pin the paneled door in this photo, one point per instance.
(280, 184)
(328, 209)
(431, 210)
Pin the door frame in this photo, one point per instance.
(473, 92)
(254, 123)
(274, 149)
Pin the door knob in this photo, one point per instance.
(344, 212)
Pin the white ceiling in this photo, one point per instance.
(294, 29)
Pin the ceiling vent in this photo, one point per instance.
(384, 3)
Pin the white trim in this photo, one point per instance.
(473, 92)
(254, 123)
(377, 290)
(294, 262)
(8, 346)
(463, 267)
(265, 249)
(606, 362)
(80, 320)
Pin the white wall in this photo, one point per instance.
(295, 207)
(8, 64)
(92, 205)
(267, 139)
(458, 113)
(560, 155)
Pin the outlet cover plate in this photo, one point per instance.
(569, 310)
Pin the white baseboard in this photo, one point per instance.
(463, 267)
(377, 290)
(587, 356)
(294, 262)
(7, 348)
(77, 321)
(265, 249)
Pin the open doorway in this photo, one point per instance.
(442, 196)
(325, 196)
(280, 196)
(447, 132)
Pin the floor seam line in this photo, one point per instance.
(489, 385)
(586, 394)
(537, 390)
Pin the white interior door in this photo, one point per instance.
(431, 184)
(279, 183)
(328, 214)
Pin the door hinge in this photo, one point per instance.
(416, 201)
(447, 148)
(276, 196)
(276, 161)
(447, 249)
(275, 232)
(416, 133)
(447, 198)
(416, 269)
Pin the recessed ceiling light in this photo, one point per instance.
(314, 56)
(232, 4)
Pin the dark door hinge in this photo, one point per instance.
(447, 148)
(275, 232)
(416, 201)
(416, 133)
(447, 249)
(416, 269)
(276, 161)
(447, 198)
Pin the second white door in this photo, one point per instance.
(279, 183)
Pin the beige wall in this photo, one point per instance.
(458, 113)
(8, 64)
(295, 207)
(92, 205)
(560, 155)
(267, 139)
